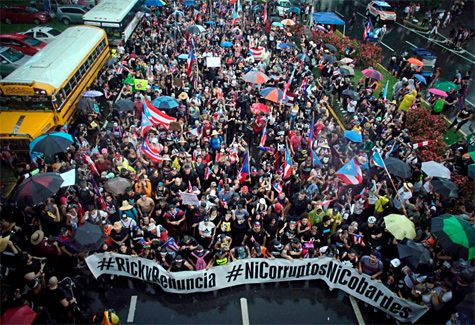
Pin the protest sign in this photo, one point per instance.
(213, 62)
(189, 199)
(248, 271)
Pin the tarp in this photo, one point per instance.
(327, 18)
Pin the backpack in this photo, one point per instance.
(200, 261)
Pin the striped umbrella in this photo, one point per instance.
(455, 235)
(255, 77)
(273, 94)
(287, 22)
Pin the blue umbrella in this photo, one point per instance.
(277, 24)
(165, 102)
(183, 56)
(226, 44)
(51, 143)
(155, 3)
(353, 136)
(421, 78)
(189, 3)
(210, 22)
(283, 46)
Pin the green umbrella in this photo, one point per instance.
(445, 85)
(455, 235)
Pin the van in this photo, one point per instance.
(71, 14)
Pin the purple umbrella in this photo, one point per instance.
(323, 29)
(239, 37)
(92, 93)
(370, 73)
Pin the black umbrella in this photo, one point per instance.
(398, 167)
(87, 238)
(413, 254)
(292, 45)
(445, 187)
(307, 32)
(331, 48)
(36, 189)
(85, 103)
(345, 72)
(51, 143)
(304, 57)
(195, 29)
(329, 57)
(257, 8)
(351, 93)
(124, 105)
(275, 19)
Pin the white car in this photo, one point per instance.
(45, 34)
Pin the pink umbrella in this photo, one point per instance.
(258, 107)
(374, 74)
(438, 92)
(19, 315)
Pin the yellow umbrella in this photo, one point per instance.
(400, 226)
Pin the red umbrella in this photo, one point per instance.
(258, 107)
(374, 74)
(20, 315)
(36, 189)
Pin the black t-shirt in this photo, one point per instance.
(118, 236)
(52, 300)
(257, 237)
(336, 240)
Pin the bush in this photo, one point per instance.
(367, 54)
(423, 126)
(466, 188)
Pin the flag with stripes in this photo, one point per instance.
(357, 239)
(265, 14)
(235, 18)
(277, 187)
(91, 163)
(288, 165)
(377, 158)
(264, 136)
(195, 83)
(326, 202)
(351, 173)
(98, 193)
(157, 117)
(422, 144)
(191, 59)
(368, 28)
(208, 172)
(257, 53)
(195, 132)
(146, 123)
(151, 153)
(120, 68)
(245, 170)
(170, 243)
(289, 100)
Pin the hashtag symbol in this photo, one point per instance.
(234, 273)
(105, 264)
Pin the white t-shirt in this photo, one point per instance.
(206, 229)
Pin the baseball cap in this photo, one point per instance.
(295, 240)
(206, 219)
(278, 245)
(371, 219)
(245, 188)
(253, 170)
(257, 223)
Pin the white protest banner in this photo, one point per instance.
(213, 61)
(189, 198)
(69, 178)
(247, 271)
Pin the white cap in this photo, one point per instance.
(395, 262)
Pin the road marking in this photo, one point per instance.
(244, 312)
(357, 311)
(386, 46)
(133, 305)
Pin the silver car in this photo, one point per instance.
(71, 14)
(10, 60)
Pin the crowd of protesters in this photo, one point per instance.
(310, 214)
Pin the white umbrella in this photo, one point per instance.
(346, 60)
(435, 169)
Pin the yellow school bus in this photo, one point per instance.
(41, 95)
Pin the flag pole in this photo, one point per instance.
(395, 189)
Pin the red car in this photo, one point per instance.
(23, 14)
(23, 43)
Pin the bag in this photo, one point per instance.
(200, 261)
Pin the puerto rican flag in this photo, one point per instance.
(357, 239)
(377, 158)
(235, 18)
(422, 144)
(326, 202)
(157, 117)
(257, 53)
(289, 99)
(170, 243)
(265, 14)
(245, 171)
(98, 193)
(191, 59)
(277, 187)
(369, 27)
(150, 152)
(304, 86)
(351, 173)
(146, 123)
(195, 132)
(288, 166)
(91, 163)
(120, 68)
(190, 188)
(264, 136)
(208, 172)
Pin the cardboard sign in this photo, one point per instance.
(213, 62)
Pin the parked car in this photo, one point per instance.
(24, 14)
(282, 6)
(381, 10)
(23, 43)
(11, 59)
(44, 34)
(71, 14)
